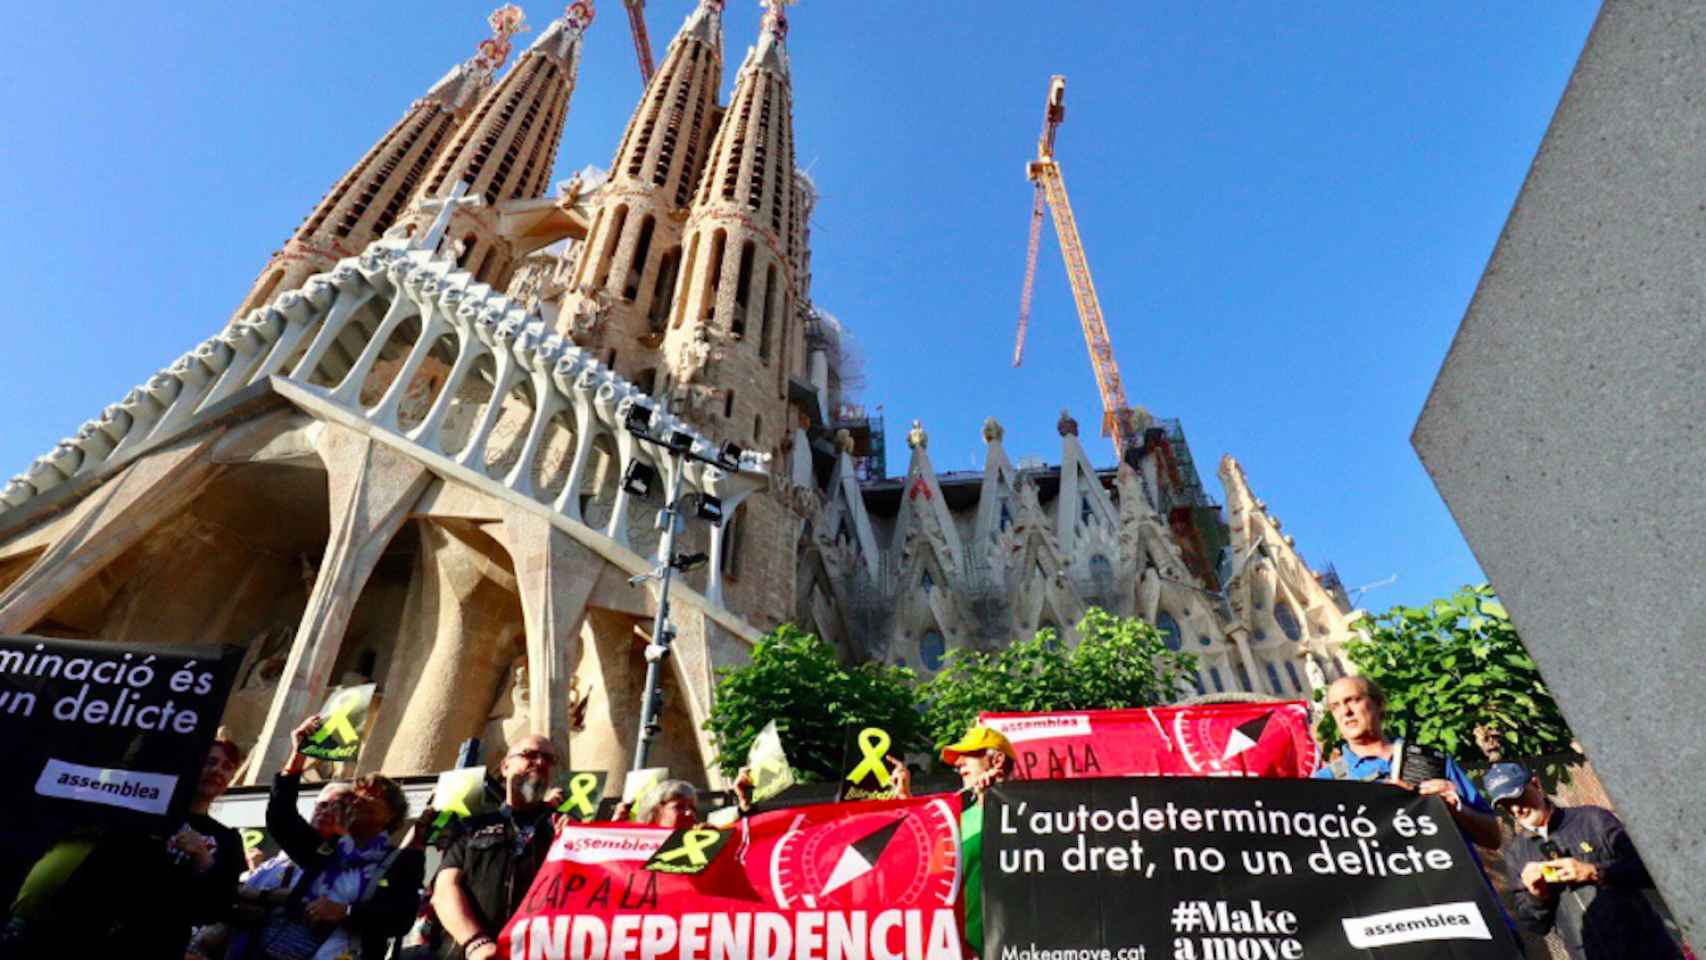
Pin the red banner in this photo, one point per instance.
(841, 881)
(1213, 740)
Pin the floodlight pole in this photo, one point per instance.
(663, 633)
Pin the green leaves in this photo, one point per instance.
(797, 680)
(1117, 663)
(1453, 665)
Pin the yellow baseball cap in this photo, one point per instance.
(976, 740)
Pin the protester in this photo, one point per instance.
(982, 758)
(1575, 870)
(265, 890)
(67, 905)
(355, 893)
(1358, 707)
(672, 804)
(491, 859)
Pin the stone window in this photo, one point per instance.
(932, 648)
(642, 250)
(611, 240)
(1287, 619)
(1214, 675)
(1169, 628)
(1273, 678)
(743, 288)
(1291, 671)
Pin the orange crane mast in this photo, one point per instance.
(642, 42)
(1119, 419)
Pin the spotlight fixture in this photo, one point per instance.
(639, 419)
(710, 509)
(639, 479)
(681, 441)
(687, 561)
(729, 457)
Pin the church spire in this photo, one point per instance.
(365, 202)
(735, 333)
(508, 147)
(632, 253)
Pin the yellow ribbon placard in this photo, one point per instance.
(689, 850)
(874, 748)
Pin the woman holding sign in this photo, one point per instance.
(355, 893)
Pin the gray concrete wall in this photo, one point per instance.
(1565, 430)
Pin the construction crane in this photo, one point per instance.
(642, 42)
(1119, 419)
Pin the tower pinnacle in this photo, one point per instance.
(361, 206)
(468, 81)
(508, 147)
(772, 51)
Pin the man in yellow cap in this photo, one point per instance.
(981, 757)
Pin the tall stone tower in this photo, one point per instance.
(368, 199)
(735, 340)
(625, 278)
(508, 147)
(730, 348)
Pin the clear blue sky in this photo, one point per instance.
(1286, 207)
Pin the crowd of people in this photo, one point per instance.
(349, 880)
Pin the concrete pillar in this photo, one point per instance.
(110, 521)
(371, 489)
(1240, 637)
(460, 631)
(555, 575)
(615, 673)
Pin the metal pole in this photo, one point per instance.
(662, 633)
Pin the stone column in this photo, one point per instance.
(460, 632)
(109, 521)
(371, 489)
(1240, 637)
(555, 575)
(616, 673)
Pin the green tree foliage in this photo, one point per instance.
(1452, 666)
(797, 680)
(1119, 662)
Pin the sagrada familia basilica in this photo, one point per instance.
(402, 460)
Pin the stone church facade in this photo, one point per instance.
(401, 460)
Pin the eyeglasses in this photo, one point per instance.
(542, 757)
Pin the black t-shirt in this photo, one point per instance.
(499, 854)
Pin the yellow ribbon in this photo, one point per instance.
(457, 804)
(874, 744)
(253, 838)
(339, 720)
(580, 799)
(693, 845)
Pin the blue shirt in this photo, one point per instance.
(1376, 767)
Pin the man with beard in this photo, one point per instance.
(492, 858)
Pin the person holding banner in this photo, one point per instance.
(491, 859)
(131, 893)
(1358, 706)
(355, 893)
(982, 758)
(1575, 870)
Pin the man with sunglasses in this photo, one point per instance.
(1574, 869)
(491, 859)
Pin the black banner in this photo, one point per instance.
(102, 735)
(1230, 869)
